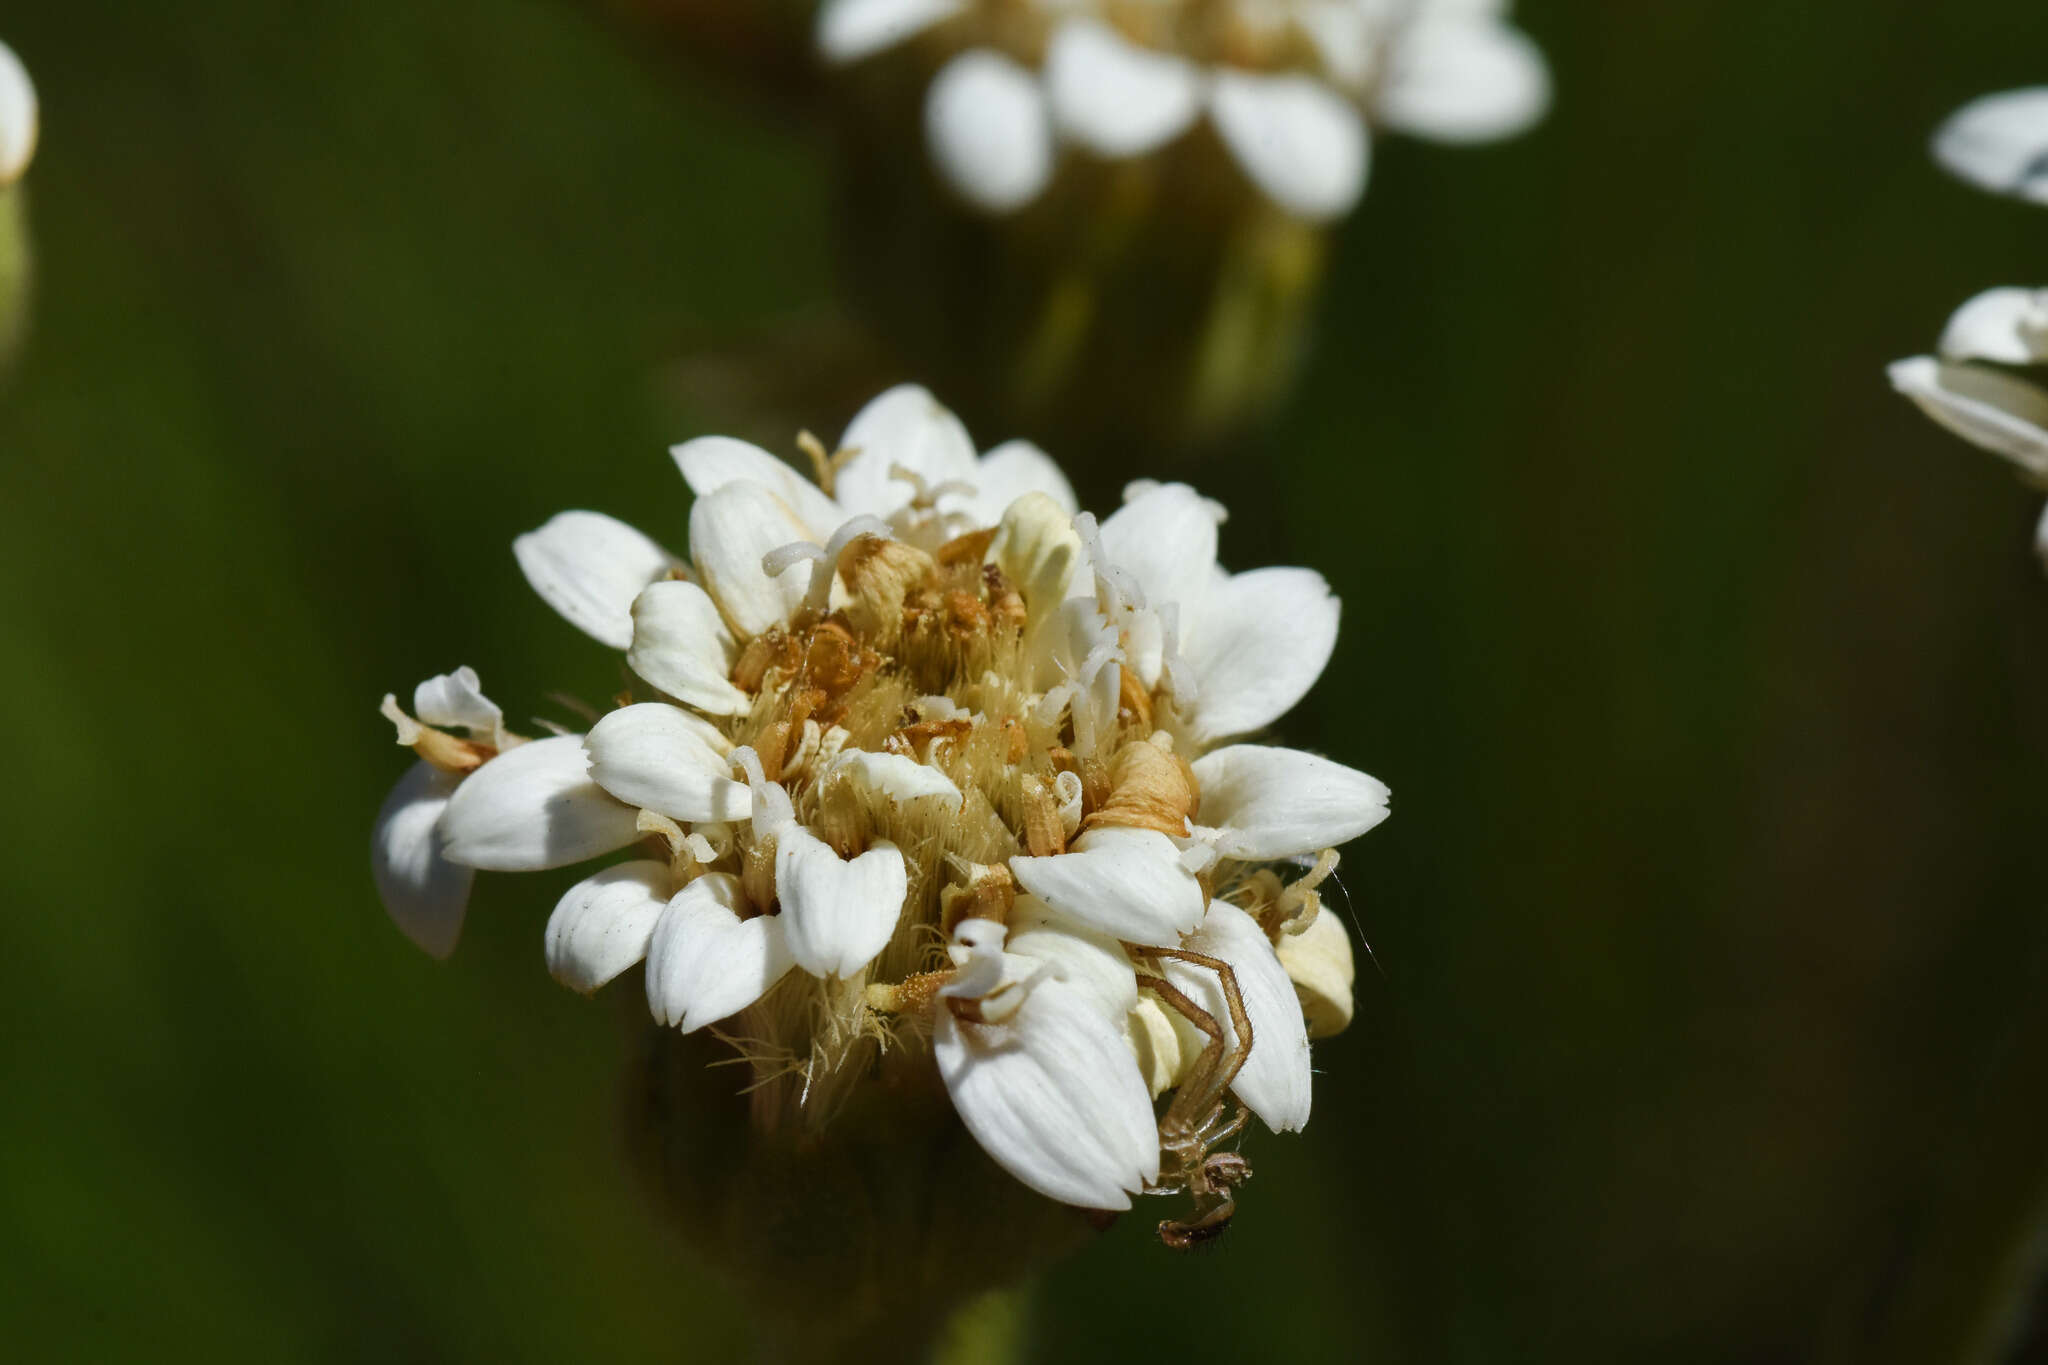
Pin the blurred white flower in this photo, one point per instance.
(2000, 143)
(1292, 87)
(1988, 378)
(18, 119)
(930, 764)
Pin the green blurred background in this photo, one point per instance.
(1710, 680)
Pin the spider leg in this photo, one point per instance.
(1240, 1046)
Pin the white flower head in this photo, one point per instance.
(930, 764)
(1291, 87)
(18, 117)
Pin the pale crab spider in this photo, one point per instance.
(1194, 1121)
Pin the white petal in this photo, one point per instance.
(2041, 537)
(1128, 883)
(1055, 1097)
(1038, 549)
(18, 117)
(709, 463)
(1155, 1044)
(985, 121)
(2006, 325)
(1456, 79)
(590, 567)
(1166, 537)
(2004, 415)
(1084, 958)
(602, 924)
(656, 756)
(903, 426)
(681, 645)
(457, 699)
(849, 30)
(1273, 803)
(1341, 31)
(1113, 97)
(1300, 142)
(705, 962)
(730, 531)
(2000, 143)
(837, 914)
(1275, 1082)
(535, 807)
(1319, 963)
(896, 776)
(1264, 638)
(1011, 470)
(423, 892)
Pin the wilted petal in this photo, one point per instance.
(423, 892)
(1113, 97)
(680, 644)
(849, 30)
(2007, 325)
(1265, 802)
(2000, 143)
(18, 117)
(985, 121)
(2004, 415)
(1274, 1083)
(657, 756)
(534, 807)
(1299, 141)
(730, 532)
(705, 962)
(590, 567)
(1054, 1096)
(905, 426)
(1011, 470)
(1263, 640)
(837, 914)
(709, 463)
(1318, 961)
(1166, 537)
(602, 924)
(457, 699)
(1463, 79)
(1129, 883)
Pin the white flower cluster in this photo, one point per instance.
(1290, 86)
(932, 766)
(1976, 383)
(17, 117)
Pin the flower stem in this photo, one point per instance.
(990, 1330)
(885, 1234)
(14, 270)
(1964, 1289)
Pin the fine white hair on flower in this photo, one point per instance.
(1292, 87)
(926, 764)
(18, 117)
